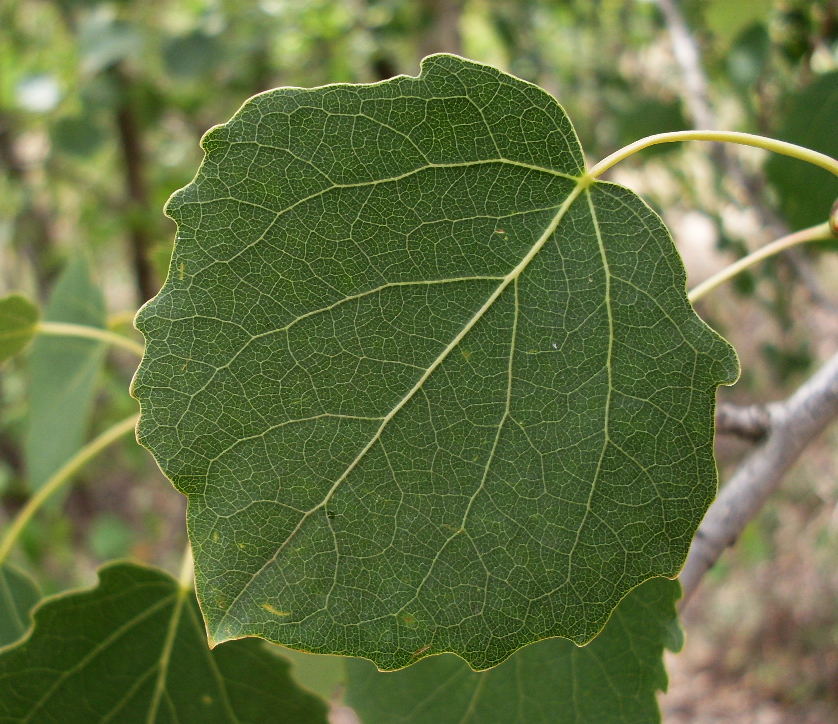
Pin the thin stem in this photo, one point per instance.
(744, 139)
(65, 329)
(59, 478)
(813, 233)
(186, 579)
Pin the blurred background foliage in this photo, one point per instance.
(102, 105)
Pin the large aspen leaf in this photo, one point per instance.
(426, 386)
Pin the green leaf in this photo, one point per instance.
(322, 674)
(18, 596)
(64, 373)
(18, 320)
(192, 56)
(807, 192)
(726, 19)
(104, 41)
(79, 135)
(646, 116)
(613, 679)
(425, 387)
(134, 650)
(748, 56)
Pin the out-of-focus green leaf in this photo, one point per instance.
(806, 191)
(748, 55)
(793, 29)
(64, 372)
(78, 135)
(18, 319)
(134, 649)
(193, 55)
(647, 116)
(321, 673)
(105, 40)
(614, 679)
(427, 387)
(726, 18)
(110, 537)
(18, 596)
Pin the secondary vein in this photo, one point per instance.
(504, 283)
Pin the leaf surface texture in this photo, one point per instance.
(134, 650)
(425, 387)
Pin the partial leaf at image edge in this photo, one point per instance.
(18, 321)
(18, 596)
(615, 678)
(426, 387)
(807, 193)
(134, 649)
(64, 374)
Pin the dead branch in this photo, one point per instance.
(792, 425)
(750, 423)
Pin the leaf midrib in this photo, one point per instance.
(502, 286)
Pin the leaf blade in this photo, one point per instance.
(614, 678)
(18, 321)
(807, 193)
(64, 372)
(133, 649)
(18, 596)
(362, 401)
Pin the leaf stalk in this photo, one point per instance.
(65, 329)
(813, 233)
(743, 139)
(186, 578)
(59, 478)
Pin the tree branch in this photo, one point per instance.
(751, 422)
(442, 33)
(688, 57)
(793, 424)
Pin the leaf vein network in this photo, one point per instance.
(505, 281)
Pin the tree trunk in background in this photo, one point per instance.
(32, 226)
(441, 33)
(136, 187)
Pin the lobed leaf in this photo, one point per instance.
(134, 650)
(427, 386)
